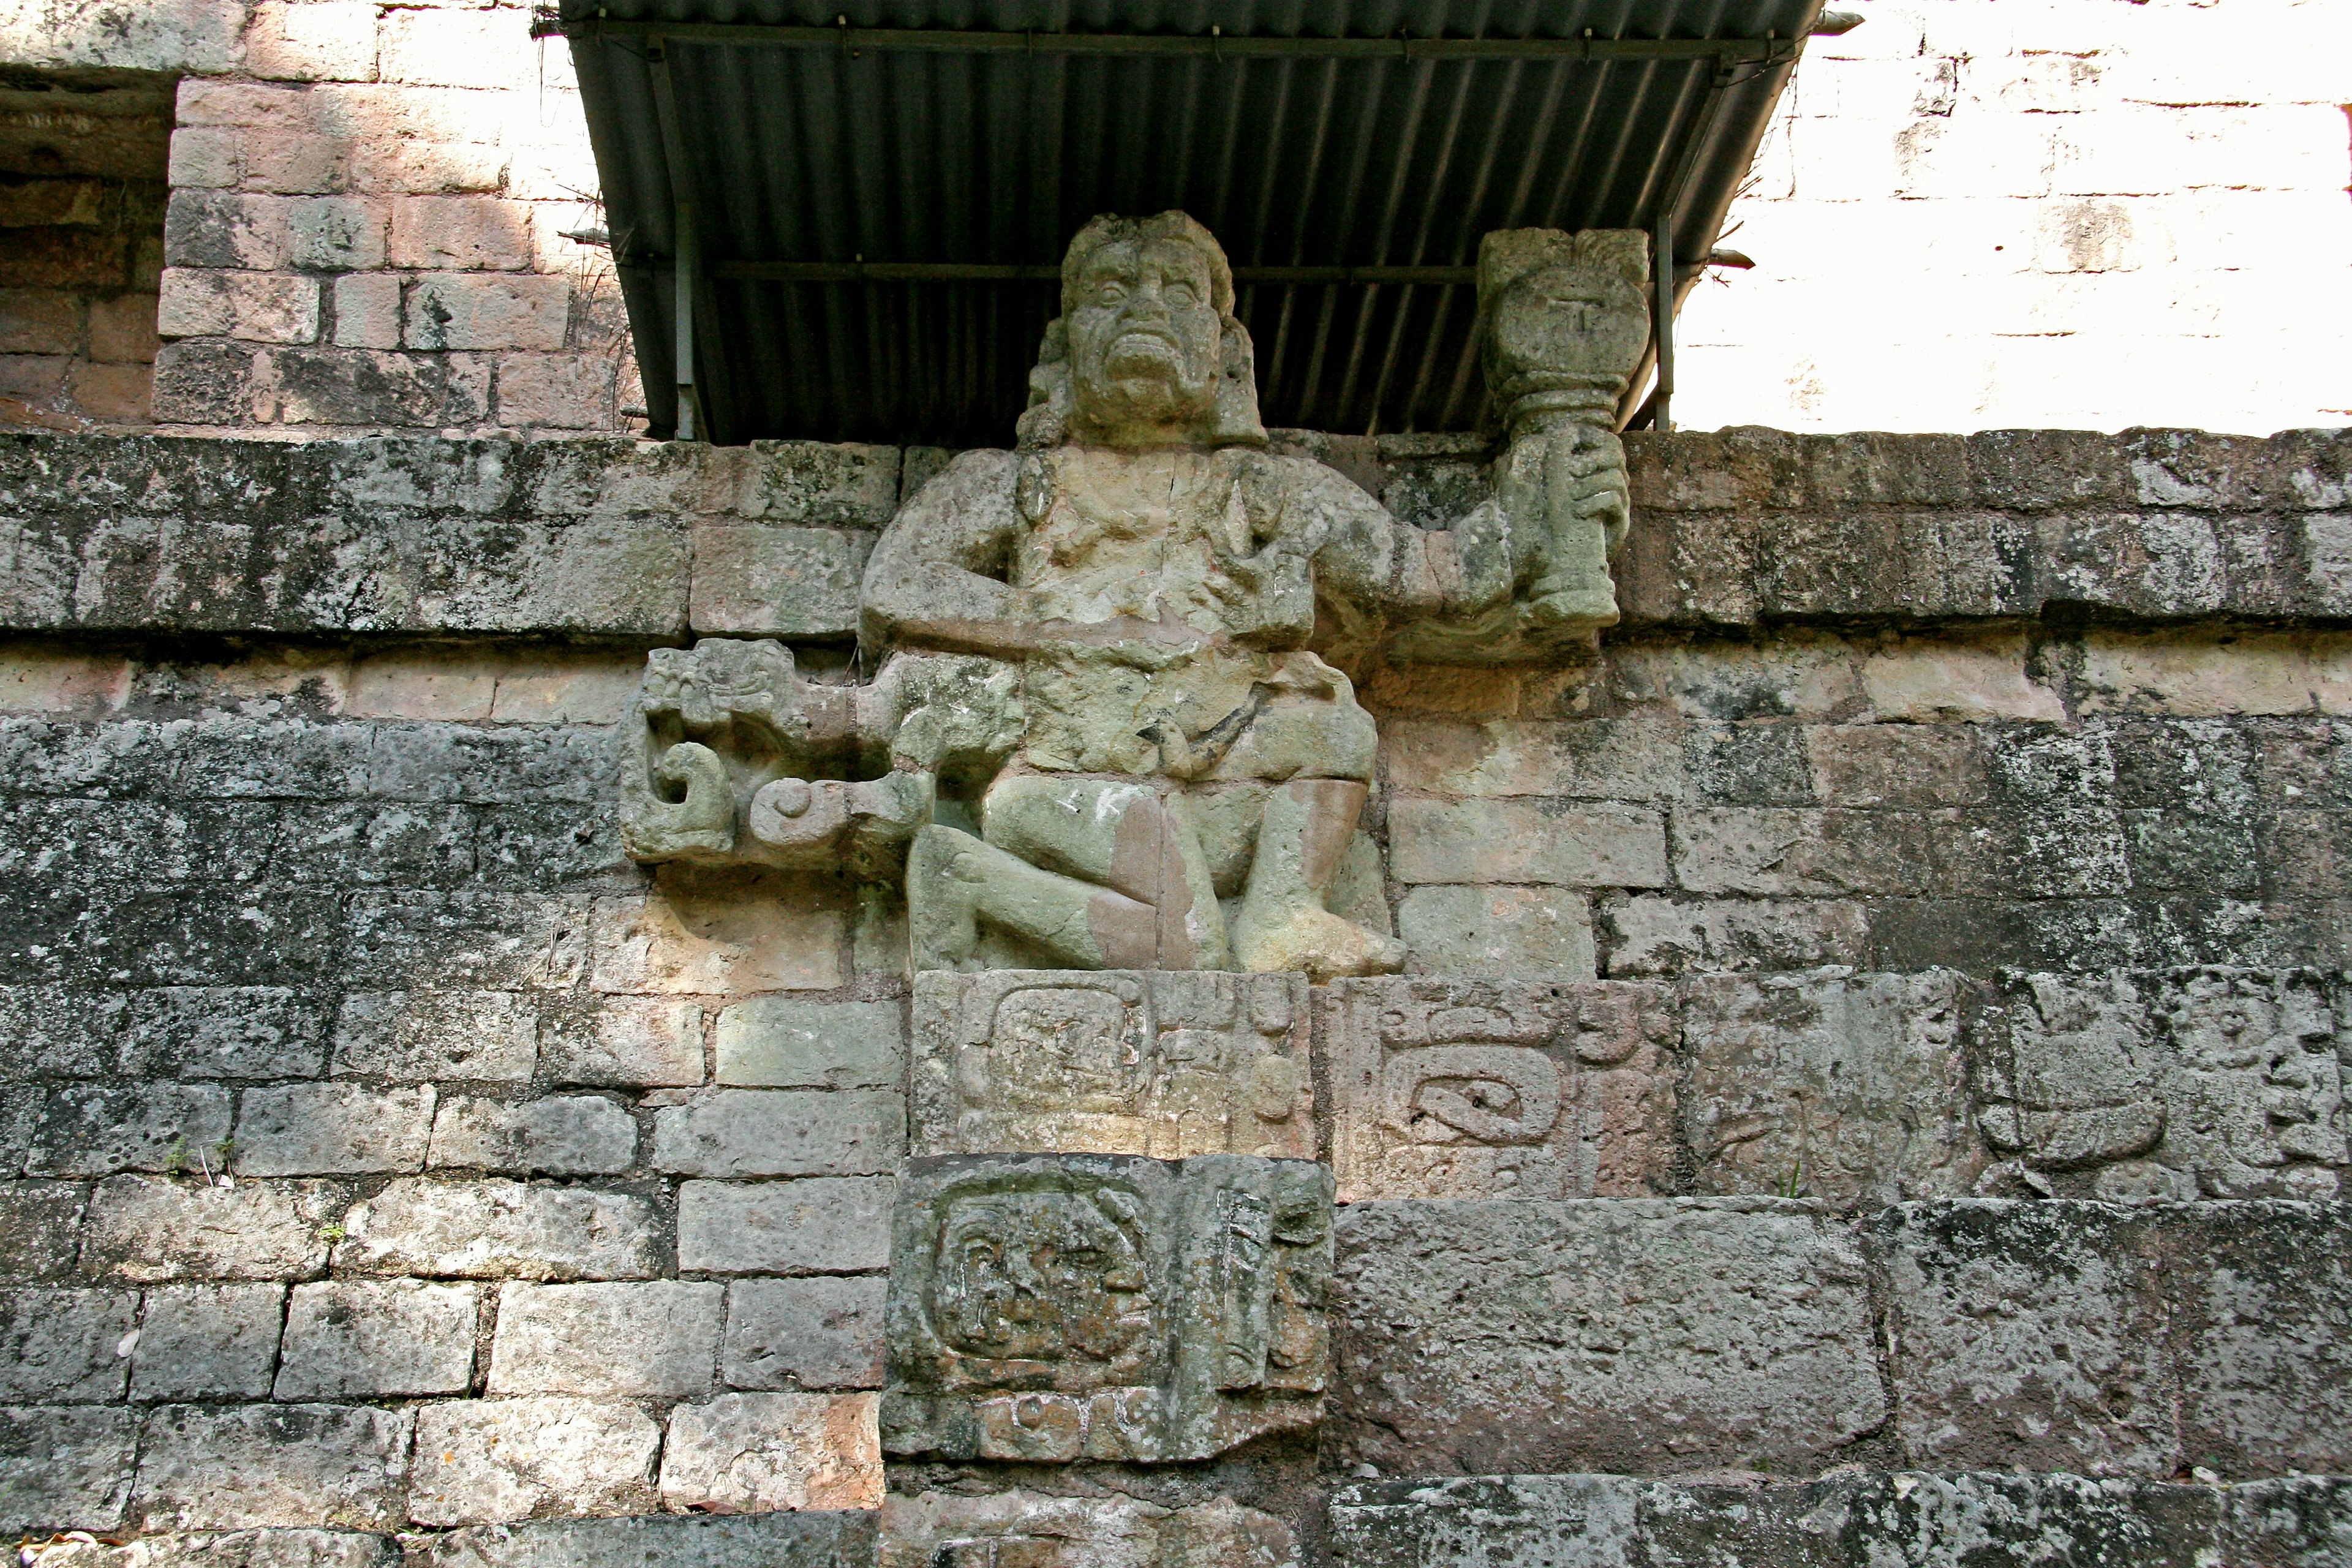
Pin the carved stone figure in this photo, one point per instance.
(1104, 1307)
(1470, 1089)
(1120, 1062)
(1158, 769)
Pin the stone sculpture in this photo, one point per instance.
(1129, 750)
(1059, 1307)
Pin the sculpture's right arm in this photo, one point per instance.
(936, 577)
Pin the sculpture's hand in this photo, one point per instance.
(1585, 479)
(1580, 493)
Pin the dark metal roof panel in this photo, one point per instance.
(845, 155)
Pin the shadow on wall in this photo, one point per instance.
(83, 193)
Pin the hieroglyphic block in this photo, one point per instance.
(1105, 1307)
(1170, 1063)
(1488, 1089)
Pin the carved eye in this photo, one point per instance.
(1182, 295)
(1113, 292)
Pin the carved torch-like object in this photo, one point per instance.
(1564, 319)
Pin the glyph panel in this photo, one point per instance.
(1170, 1064)
(1470, 1089)
(1105, 1307)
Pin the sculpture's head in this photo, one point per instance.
(1565, 316)
(1147, 352)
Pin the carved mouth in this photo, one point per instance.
(1142, 351)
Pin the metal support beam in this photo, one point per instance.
(990, 272)
(693, 420)
(1222, 46)
(1662, 318)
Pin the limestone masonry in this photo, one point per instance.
(1178, 996)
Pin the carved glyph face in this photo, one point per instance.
(1144, 340)
(1041, 1276)
(1567, 319)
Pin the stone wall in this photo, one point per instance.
(1927, 900)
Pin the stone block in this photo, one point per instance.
(49, 1031)
(638, 1042)
(782, 1042)
(733, 1132)
(424, 1035)
(65, 1346)
(754, 1453)
(1628, 759)
(756, 579)
(814, 1225)
(373, 1339)
(1150, 1310)
(1559, 842)
(1020, 1529)
(556, 1134)
(208, 1342)
(559, 391)
(335, 233)
(100, 1130)
(493, 1229)
(1169, 1064)
(2260, 1299)
(1791, 852)
(64, 1467)
(819, 482)
(301, 42)
(290, 1547)
(471, 310)
(2296, 1521)
(1849, 1090)
(371, 387)
(490, 1460)
(816, 1332)
(1486, 1089)
(367, 310)
(332, 1128)
(1636, 1334)
(2028, 1336)
(148, 1229)
(40, 1227)
(1576, 1521)
(655, 1340)
(518, 940)
(828, 1539)
(231, 1031)
(715, 934)
(460, 234)
(253, 1466)
(1523, 932)
(254, 306)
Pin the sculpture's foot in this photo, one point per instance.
(1579, 606)
(1304, 936)
(944, 882)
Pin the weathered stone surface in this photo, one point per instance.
(209, 1342)
(277, 1548)
(819, 1331)
(2260, 1298)
(1122, 1062)
(1565, 844)
(658, 1338)
(1039, 1530)
(148, 1229)
(65, 1346)
(731, 1133)
(755, 579)
(438, 1034)
(332, 1129)
(833, 1224)
(1629, 1335)
(377, 1338)
(1933, 1520)
(1528, 933)
(557, 1135)
(239, 1466)
(490, 1460)
(64, 1467)
(1145, 1310)
(98, 1131)
(1849, 1090)
(813, 1539)
(40, 1227)
(240, 1031)
(782, 1042)
(750, 1453)
(2030, 1336)
(492, 1229)
(1468, 1088)
(629, 1041)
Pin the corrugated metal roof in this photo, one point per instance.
(1305, 133)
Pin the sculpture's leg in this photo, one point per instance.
(1128, 837)
(1281, 923)
(954, 881)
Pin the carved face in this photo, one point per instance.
(1144, 342)
(1567, 319)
